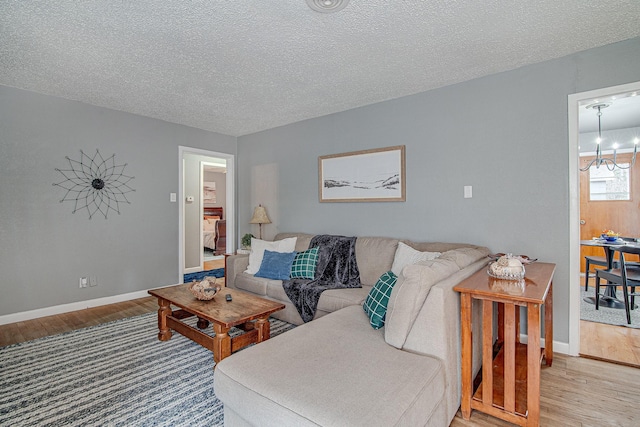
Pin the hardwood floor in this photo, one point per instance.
(212, 265)
(618, 344)
(575, 391)
(37, 328)
(50, 325)
(580, 392)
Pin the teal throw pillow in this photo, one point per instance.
(376, 303)
(276, 265)
(304, 265)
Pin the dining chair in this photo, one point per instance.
(627, 276)
(594, 260)
(631, 240)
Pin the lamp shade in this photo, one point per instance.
(260, 216)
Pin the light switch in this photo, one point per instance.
(172, 197)
(468, 193)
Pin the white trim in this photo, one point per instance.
(558, 347)
(230, 200)
(181, 151)
(201, 192)
(74, 306)
(574, 206)
(202, 166)
(230, 203)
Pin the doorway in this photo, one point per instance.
(198, 206)
(576, 103)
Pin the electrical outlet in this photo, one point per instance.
(93, 280)
(83, 282)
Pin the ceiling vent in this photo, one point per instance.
(327, 6)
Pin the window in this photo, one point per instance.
(605, 184)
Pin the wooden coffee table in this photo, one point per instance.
(246, 311)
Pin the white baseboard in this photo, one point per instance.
(74, 306)
(558, 347)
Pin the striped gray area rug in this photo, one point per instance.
(114, 374)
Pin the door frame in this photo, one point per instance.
(575, 282)
(230, 200)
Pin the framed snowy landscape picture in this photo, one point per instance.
(375, 175)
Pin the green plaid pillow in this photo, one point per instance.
(376, 303)
(304, 265)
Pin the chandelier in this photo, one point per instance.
(610, 163)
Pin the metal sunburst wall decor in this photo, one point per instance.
(95, 184)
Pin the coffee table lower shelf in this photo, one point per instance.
(217, 343)
(245, 311)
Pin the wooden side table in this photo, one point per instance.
(510, 387)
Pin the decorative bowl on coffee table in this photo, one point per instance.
(205, 289)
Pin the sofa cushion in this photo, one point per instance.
(374, 256)
(435, 246)
(331, 300)
(406, 255)
(378, 384)
(276, 265)
(335, 299)
(304, 265)
(302, 240)
(257, 285)
(375, 305)
(464, 257)
(409, 294)
(259, 246)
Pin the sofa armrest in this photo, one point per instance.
(437, 330)
(235, 265)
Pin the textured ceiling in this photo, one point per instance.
(238, 67)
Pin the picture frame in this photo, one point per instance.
(376, 175)
(209, 192)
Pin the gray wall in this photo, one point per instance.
(505, 134)
(44, 248)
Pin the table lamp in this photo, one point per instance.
(260, 217)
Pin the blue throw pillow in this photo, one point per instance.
(276, 265)
(376, 303)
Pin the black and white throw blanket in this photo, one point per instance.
(337, 268)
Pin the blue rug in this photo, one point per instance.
(218, 272)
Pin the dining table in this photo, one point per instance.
(609, 299)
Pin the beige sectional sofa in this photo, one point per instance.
(337, 369)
